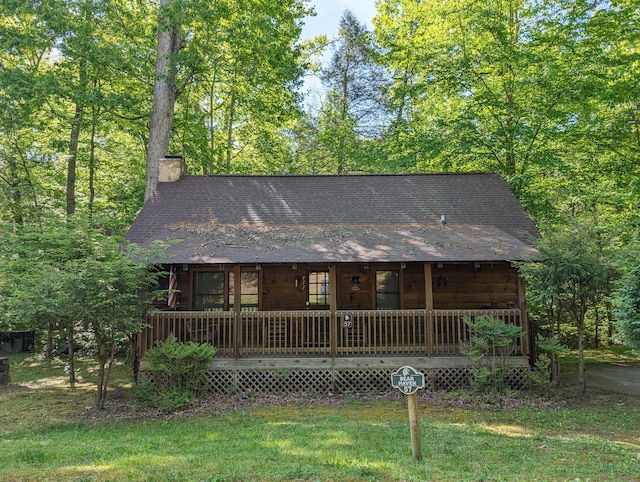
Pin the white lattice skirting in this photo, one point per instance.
(365, 377)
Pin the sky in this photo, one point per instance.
(329, 12)
(326, 21)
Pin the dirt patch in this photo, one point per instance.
(119, 407)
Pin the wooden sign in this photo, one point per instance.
(409, 381)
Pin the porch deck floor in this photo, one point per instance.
(359, 362)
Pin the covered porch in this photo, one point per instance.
(329, 352)
(354, 333)
(329, 327)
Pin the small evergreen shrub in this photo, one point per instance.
(177, 370)
(490, 342)
(545, 374)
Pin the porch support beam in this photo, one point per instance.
(333, 307)
(237, 304)
(524, 319)
(428, 288)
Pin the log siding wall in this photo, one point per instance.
(452, 285)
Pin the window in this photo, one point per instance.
(388, 290)
(208, 291)
(318, 288)
(248, 291)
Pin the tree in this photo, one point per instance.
(246, 71)
(354, 109)
(481, 86)
(75, 276)
(111, 294)
(492, 339)
(626, 299)
(546, 93)
(573, 272)
(35, 292)
(165, 91)
(231, 86)
(71, 72)
(24, 46)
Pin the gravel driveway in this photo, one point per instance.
(621, 377)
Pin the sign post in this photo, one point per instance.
(409, 381)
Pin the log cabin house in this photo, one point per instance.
(328, 283)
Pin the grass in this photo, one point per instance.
(605, 354)
(45, 435)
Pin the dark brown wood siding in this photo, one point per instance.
(355, 287)
(279, 290)
(454, 285)
(413, 281)
(463, 286)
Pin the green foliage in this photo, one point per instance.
(354, 109)
(70, 276)
(241, 67)
(545, 374)
(501, 86)
(541, 373)
(62, 55)
(178, 369)
(490, 343)
(627, 304)
(550, 345)
(574, 272)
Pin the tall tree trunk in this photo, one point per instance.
(164, 95)
(70, 352)
(102, 360)
(596, 340)
(32, 189)
(230, 119)
(73, 157)
(49, 347)
(92, 162)
(555, 364)
(212, 141)
(582, 386)
(609, 324)
(13, 181)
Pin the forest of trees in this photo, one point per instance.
(547, 93)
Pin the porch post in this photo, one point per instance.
(524, 319)
(428, 290)
(333, 303)
(237, 286)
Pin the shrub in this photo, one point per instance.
(545, 373)
(490, 342)
(177, 370)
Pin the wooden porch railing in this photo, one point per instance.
(449, 329)
(323, 333)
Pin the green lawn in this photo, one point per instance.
(47, 433)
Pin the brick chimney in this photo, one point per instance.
(170, 168)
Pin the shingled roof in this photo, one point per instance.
(350, 218)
